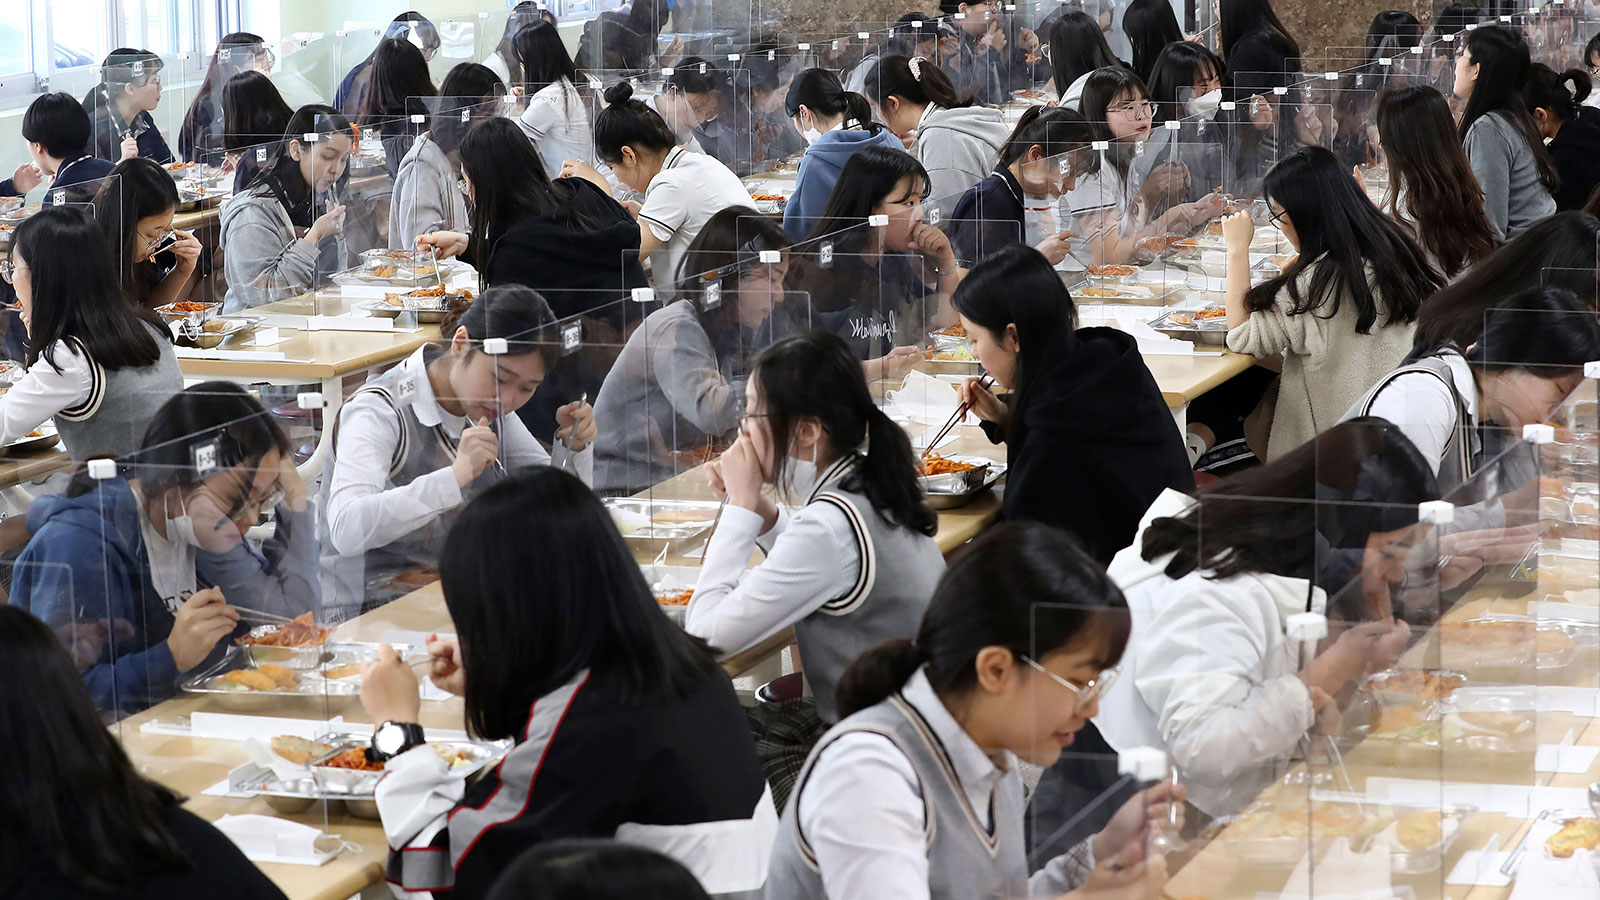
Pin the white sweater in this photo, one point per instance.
(1209, 674)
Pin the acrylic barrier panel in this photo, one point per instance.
(428, 193)
(199, 136)
(128, 114)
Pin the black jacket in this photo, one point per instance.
(987, 217)
(1095, 445)
(1575, 150)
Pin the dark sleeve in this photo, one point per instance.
(1255, 68)
(221, 868)
(9, 189)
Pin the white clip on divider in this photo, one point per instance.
(771, 257)
(1142, 763)
(733, 57)
(878, 220)
(261, 154)
(772, 55)
(1307, 627)
(863, 35)
(1281, 90)
(101, 469)
(1228, 105)
(1436, 512)
(496, 346)
(916, 25)
(1539, 433)
(1330, 76)
(483, 15)
(1172, 124)
(1099, 145)
(667, 71)
(341, 33)
(836, 45)
(960, 15)
(802, 47)
(309, 400)
(643, 295)
(466, 115)
(1385, 61)
(1417, 50)
(309, 137)
(1591, 369)
(825, 255)
(418, 118)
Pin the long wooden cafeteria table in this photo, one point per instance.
(190, 765)
(1215, 873)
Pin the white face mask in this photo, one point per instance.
(181, 529)
(803, 475)
(1205, 105)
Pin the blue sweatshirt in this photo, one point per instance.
(86, 574)
(819, 172)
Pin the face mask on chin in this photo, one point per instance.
(803, 475)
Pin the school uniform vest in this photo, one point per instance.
(1464, 451)
(364, 581)
(898, 570)
(121, 404)
(965, 860)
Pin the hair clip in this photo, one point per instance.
(915, 65)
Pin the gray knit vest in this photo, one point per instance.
(422, 449)
(1461, 452)
(965, 861)
(121, 404)
(897, 573)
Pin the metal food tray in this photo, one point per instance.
(1548, 818)
(195, 335)
(959, 488)
(341, 783)
(177, 315)
(207, 682)
(663, 531)
(1209, 337)
(388, 311)
(190, 200)
(1377, 686)
(938, 340)
(1286, 851)
(314, 658)
(47, 438)
(1521, 656)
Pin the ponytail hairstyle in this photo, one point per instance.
(1053, 129)
(815, 375)
(626, 121)
(914, 80)
(1502, 59)
(1428, 167)
(820, 91)
(1017, 287)
(1560, 95)
(1077, 46)
(515, 312)
(1023, 586)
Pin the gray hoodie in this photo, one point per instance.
(958, 147)
(265, 258)
(425, 196)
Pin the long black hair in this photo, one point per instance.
(594, 610)
(1054, 130)
(76, 295)
(521, 16)
(1358, 478)
(1017, 286)
(820, 91)
(1243, 18)
(234, 54)
(1023, 586)
(542, 58)
(1545, 331)
(508, 184)
(1150, 26)
(1559, 94)
(728, 245)
(89, 813)
(1559, 250)
(136, 189)
(281, 168)
(1502, 59)
(515, 312)
(1077, 46)
(467, 86)
(399, 79)
(595, 869)
(815, 375)
(1102, 89)
(626, 121)
(867, 179)
(1430, 170)
(1391, 30)
(1341, 235)
(893, 76)
(253, 112)
(1175, 70)
(220, 414)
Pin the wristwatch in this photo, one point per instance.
(392, 739)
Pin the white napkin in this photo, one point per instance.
(1342, 873)
(1540, 877)
(236, 355)
(923, 399)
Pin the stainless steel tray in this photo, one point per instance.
(307, 690)
(1254, 848)
(47, 438)
(638, 521)
(1550, 817)
(958, 489)
(387, 311)
(1207, 337)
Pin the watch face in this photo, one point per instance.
(389, 738)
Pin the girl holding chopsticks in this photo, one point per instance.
(856, 563)
(417, 442)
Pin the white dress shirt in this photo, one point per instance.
(811, 558)
(558, 124)
(366, 510)
(42, 391)
(862, 813)
(689, 190)
(1425, 410)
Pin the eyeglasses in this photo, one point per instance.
(150, 246)
(1275, 216)
(1135, 110)
(8, 271)
(1089, 692)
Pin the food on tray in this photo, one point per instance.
(683, 516)
(394, 254)
(175, 166)
(385, 271)
(34, 433)
(1112, 293)
(934, 464)
(298, 750)
(1159, 244)
(1552, 641)
(675, 598)
(354, 758)
(1195, 318)
(961, 354)
(1112, 271)
(1419, 830)
(248, 680)
(281, 676)
(1582, 833)
(1395, 719)
(348, 670)
(301, 632)
(766, 197)
(956, 331)
(1498, 722)
(1214, 229)
(215, 326)
(187, 306)
(438, 293)
(1420, 683)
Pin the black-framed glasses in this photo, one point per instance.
(1275, 216)
(150, 246)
